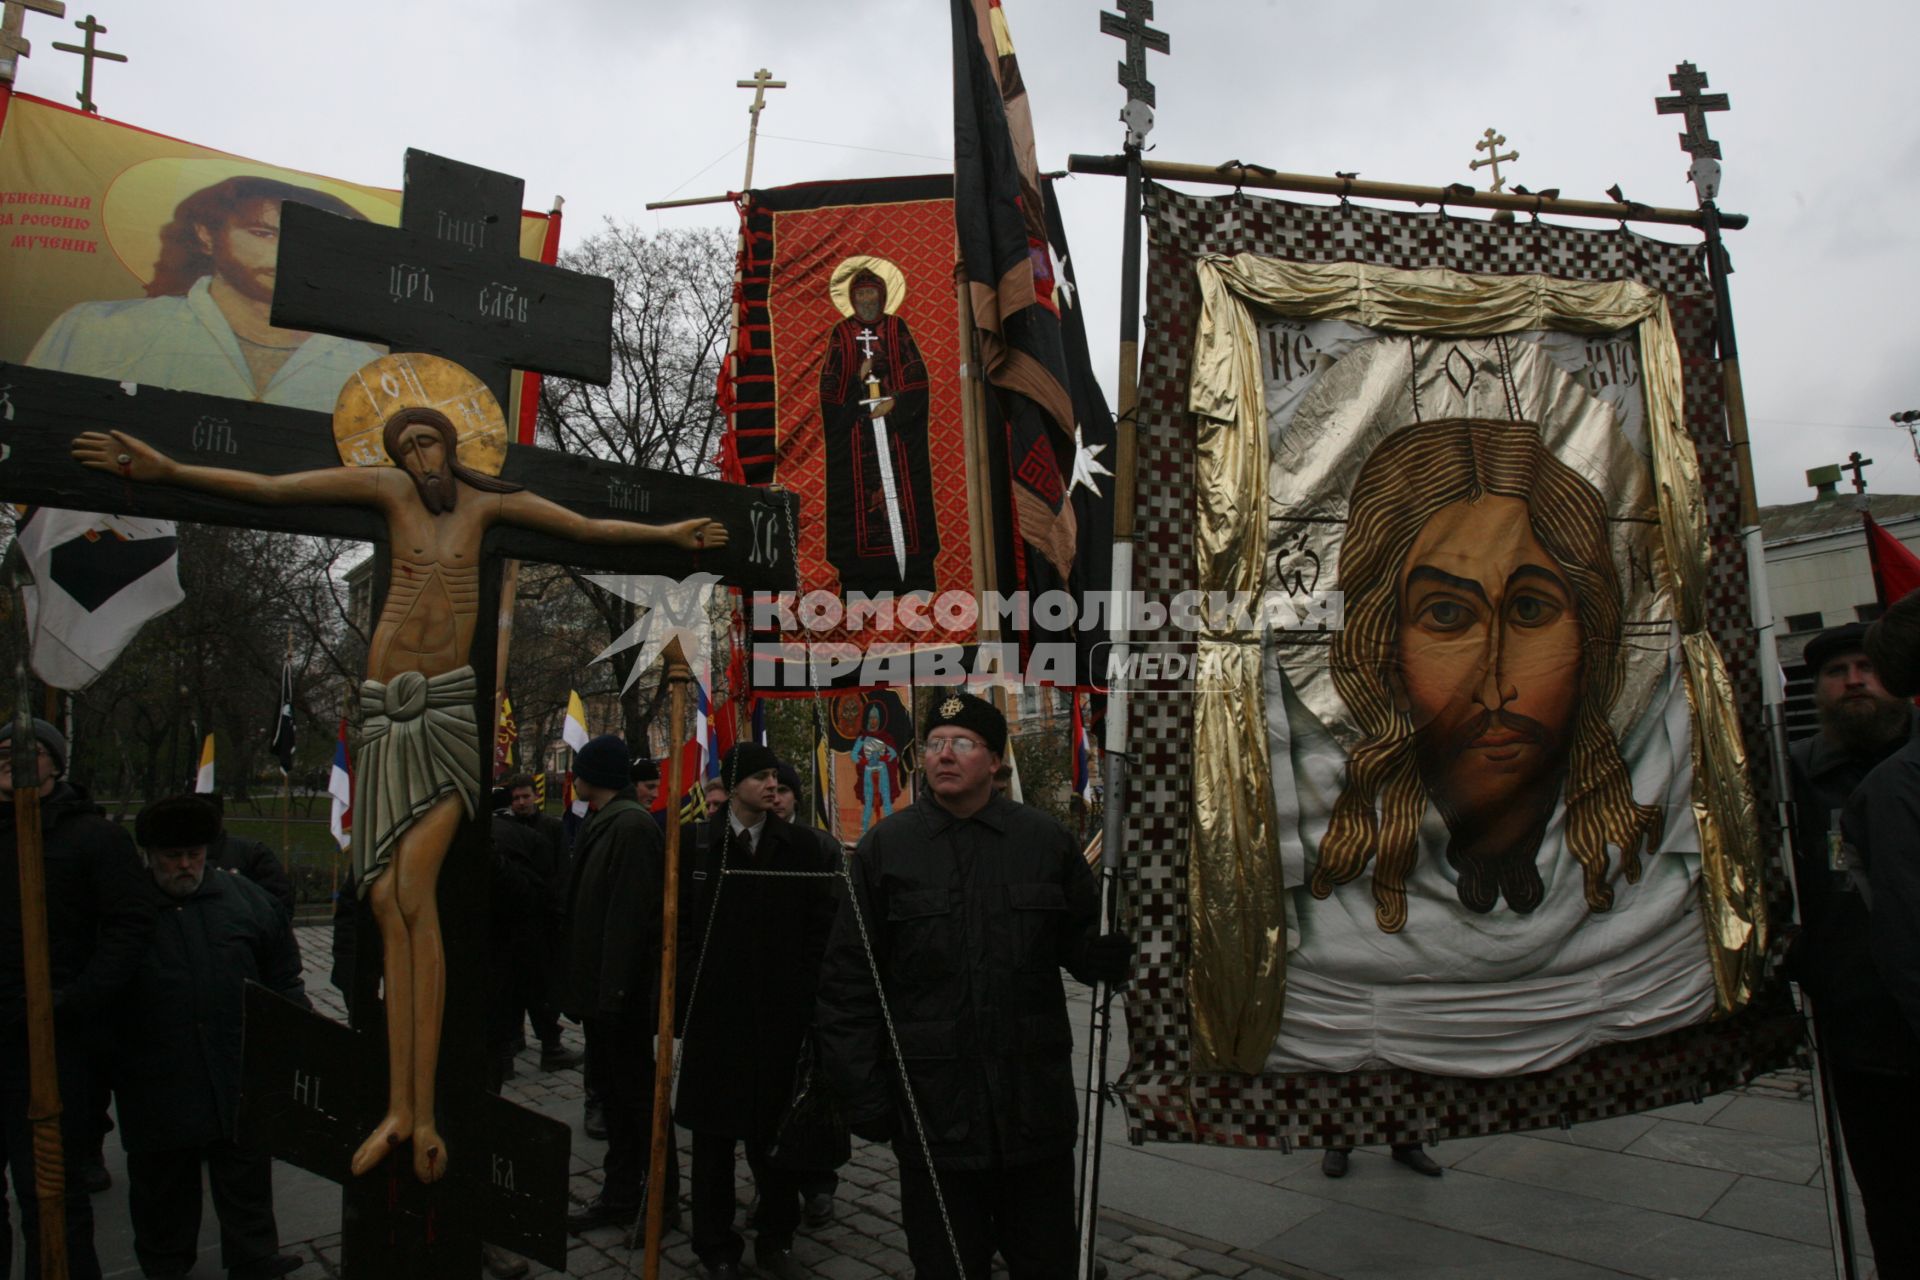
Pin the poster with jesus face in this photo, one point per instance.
(1482, 777)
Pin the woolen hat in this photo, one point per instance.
(54, 740)
(789, 777)
(1832, 643)
(646, 770)
(964, 711)
(603, 763)
(743, 760)
(177, 822)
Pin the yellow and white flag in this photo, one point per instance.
(203, 782)
(574, 731)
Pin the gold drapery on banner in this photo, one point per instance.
(1236, 979)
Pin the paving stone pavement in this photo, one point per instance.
(1730, 1186)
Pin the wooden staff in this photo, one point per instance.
(43, 1080)
(679, 676)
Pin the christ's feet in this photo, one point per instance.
(388, 1134)
(429, 1154)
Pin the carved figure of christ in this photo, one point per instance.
(437, 512)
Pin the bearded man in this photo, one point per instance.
(1871, 1050)
(873, 346)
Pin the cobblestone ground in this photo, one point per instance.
(864, 1239)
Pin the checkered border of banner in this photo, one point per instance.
(1165, 1101)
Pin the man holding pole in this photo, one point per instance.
(99, 923)
(613, 976)
(967, 905)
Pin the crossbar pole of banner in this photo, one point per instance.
(43, 1082)
(1460, 195)
(679, 676)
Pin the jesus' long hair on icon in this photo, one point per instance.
(480, 480)
(1418, 471)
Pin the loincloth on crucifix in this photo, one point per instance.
(418, 742)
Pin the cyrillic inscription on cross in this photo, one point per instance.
(441, 487)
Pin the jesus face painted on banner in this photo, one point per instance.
(1481, 658)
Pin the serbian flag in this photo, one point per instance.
(340, 787)
(1082, 755)
(1000, 219)
(203, 781)
(1896, 570)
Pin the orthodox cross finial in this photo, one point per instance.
(12, 43)
(1491, 144)
(1856, 464)
(89, 54)
(1130, 24)
(762, 81)
(1687, 81)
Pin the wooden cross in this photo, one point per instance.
(449, 280)
(1130, 24)
(89, 55)
(1491, 144)
(1688, 80)
(503, 1180)
(762, 81)
(13, 17)
(1856, 464)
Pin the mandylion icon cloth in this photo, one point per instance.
(1479, 853)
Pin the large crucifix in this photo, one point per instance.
(427, 471)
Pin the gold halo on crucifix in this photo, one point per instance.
(841, 286)
(413, 380)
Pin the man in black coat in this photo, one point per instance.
(613, 974)
(99, 924)
(249, 858)
(973, 904)
(750, 954)
(539, 975)
(1856, 791)
(179, 1069)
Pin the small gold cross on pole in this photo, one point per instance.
(1491, 144)
(762, 81)
(89, 54)
(14, 45)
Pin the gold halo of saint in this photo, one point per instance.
(840, 287)
(414, 380)
(142, 199)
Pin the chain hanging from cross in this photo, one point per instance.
(1491, 144)
(89, 54)
(1130, 24)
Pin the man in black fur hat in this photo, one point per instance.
(749, 960)
(973, 904)
(178, 1082)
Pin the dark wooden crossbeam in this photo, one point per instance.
(449, 280)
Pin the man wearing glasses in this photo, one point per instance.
(972, 905)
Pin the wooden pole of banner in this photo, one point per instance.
(43, 1082)
(760, 83)
(1258, 177)
(971, 395)
(13, 45)
(286, 784)
(679, 676)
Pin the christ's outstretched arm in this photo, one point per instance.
(124, 455)
(532, 511)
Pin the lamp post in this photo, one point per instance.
(1910, 419)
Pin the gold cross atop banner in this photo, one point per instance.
(1491, 144)
(89, 54)
(12, 43)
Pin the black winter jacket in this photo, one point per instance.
(1882, 824)
(177, 1074)
(971, 921)
(613, 914)
(99, 912)
(256, 862)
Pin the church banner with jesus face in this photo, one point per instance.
(134, 256)
(1477, 849)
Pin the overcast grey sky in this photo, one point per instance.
(616, 102)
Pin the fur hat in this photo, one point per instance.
(964, 711)
(177, 822)
(604, 763)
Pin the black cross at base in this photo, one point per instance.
(392, 1224)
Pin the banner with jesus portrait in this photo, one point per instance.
(1470, 843)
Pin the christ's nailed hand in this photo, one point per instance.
(698, 534)
(123, 455)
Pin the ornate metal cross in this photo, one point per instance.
(1130, 24)
(1687, 81)
(762, 81)
(1491, 144)
(15, 17)
(89, 54)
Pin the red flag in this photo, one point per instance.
(1896, 570)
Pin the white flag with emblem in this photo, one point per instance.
(97, 579)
